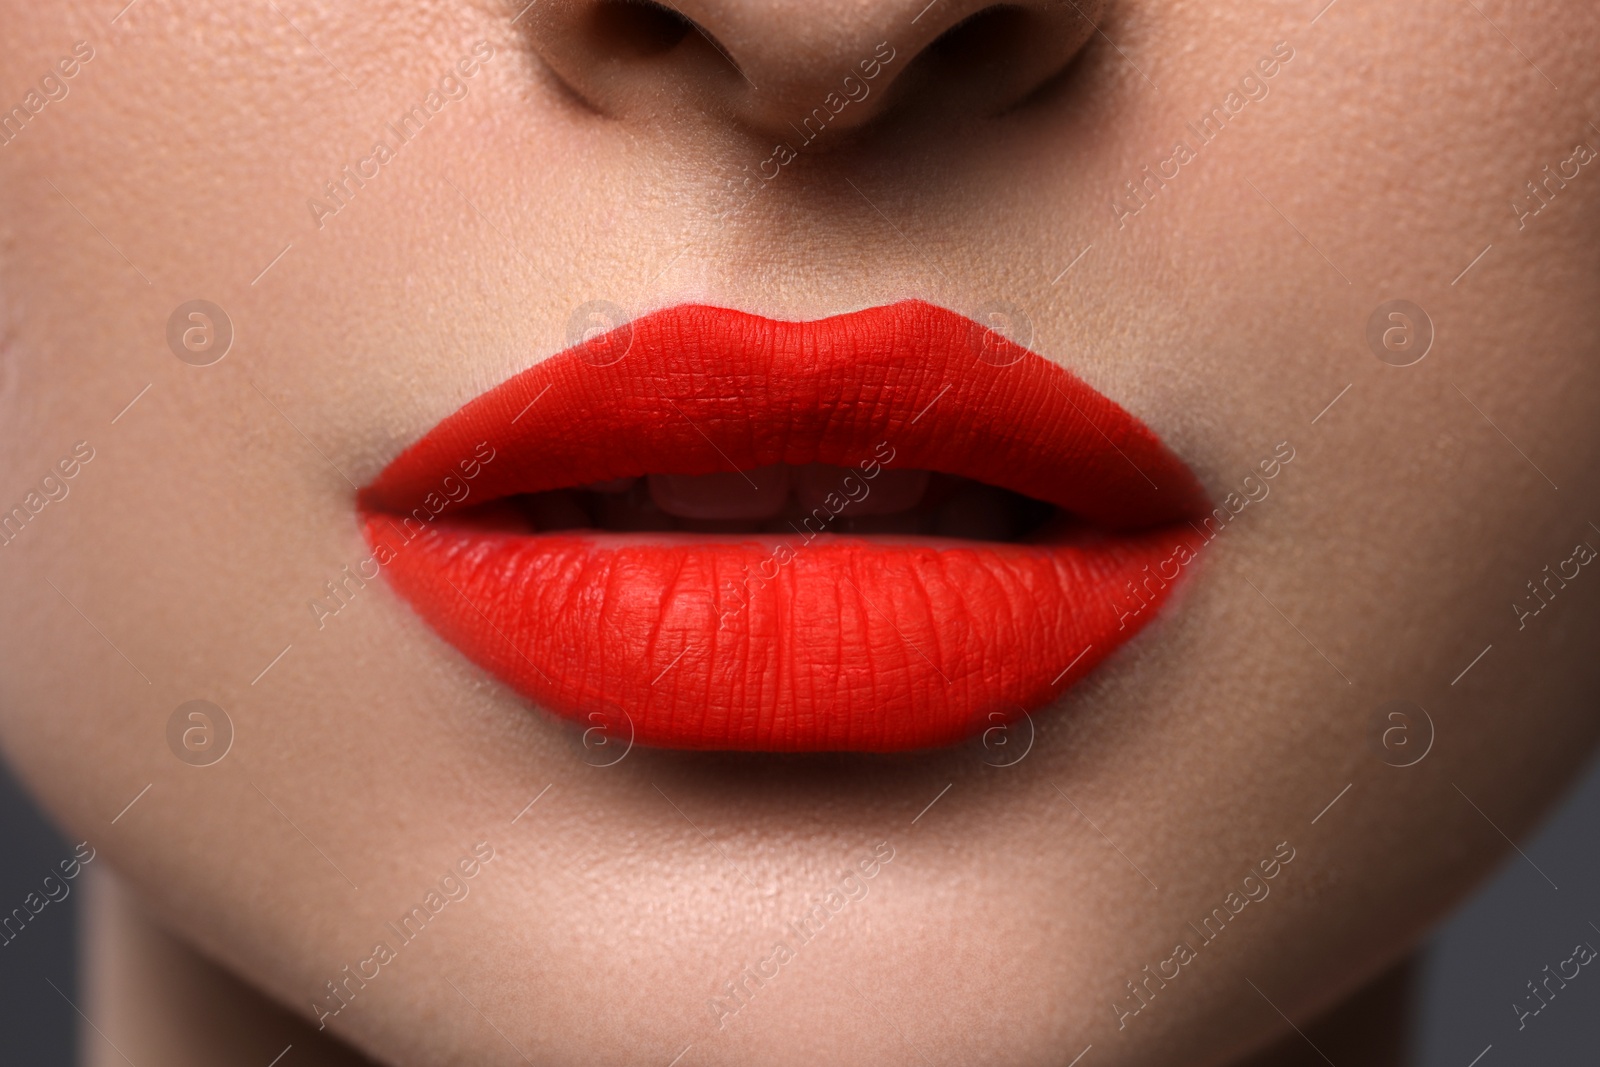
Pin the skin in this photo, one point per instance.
(369, 760)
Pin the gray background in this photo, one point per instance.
(1479, 963)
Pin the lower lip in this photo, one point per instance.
(787, 642)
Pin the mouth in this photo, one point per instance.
(882, 531)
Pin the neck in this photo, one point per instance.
(1371, 1027)
(153, 999)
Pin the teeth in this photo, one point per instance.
(753, 494)
(890, 492)
(774, 499)
(631, 512)
(614, 487)
(976, 513)
(902, 522)
(557, 511)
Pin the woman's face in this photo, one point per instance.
(1204, 211)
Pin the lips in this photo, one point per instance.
(880, 531)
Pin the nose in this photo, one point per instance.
(781, 65)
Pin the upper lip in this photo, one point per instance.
(739, 392)
(579, 622)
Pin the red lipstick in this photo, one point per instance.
(873, 532)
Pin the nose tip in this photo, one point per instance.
(781, 66)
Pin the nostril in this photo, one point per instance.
(980, 42)
(635, 28)
(997, 57)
